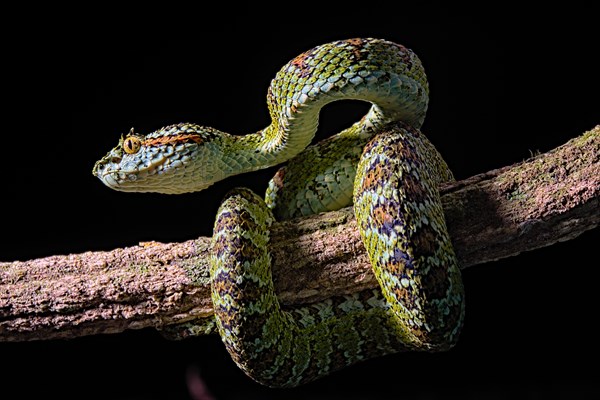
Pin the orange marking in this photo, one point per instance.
(299, 60)
(355, 41)
(300, 63)
(174, 139)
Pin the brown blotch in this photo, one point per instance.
(405, 296)
(300, 63)
(425, 241)
(374, 177)
(414, 188)
(436, 284)
(371, 179)
(381, 215)
(357, 43)
(248, 251)
(278, 178)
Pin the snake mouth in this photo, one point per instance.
(147, 179)
(117, 176)
(125, 182)
(128, 171)
(108, 179)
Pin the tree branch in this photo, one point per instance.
(552, 197)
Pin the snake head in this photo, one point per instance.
(175, 159)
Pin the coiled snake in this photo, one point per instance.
(382, 163)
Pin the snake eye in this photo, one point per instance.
(132, 144)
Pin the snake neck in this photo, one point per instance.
(281, 142)
(387, 75)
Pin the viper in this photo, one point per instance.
(382, 164)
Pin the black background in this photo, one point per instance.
(499, 91)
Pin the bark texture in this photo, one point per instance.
(501, 213)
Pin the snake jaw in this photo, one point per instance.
(131, 173)
(115, 177)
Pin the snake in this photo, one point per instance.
(382, 164)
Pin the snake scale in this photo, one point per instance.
(382, 164)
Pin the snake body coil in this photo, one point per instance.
(382, 163)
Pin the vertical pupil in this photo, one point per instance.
(131, 145)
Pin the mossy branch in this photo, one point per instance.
(549, 198)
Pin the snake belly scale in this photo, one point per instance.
(382, 164)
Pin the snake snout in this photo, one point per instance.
(98, 169)
(113, 157)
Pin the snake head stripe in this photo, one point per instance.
(162, 161)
